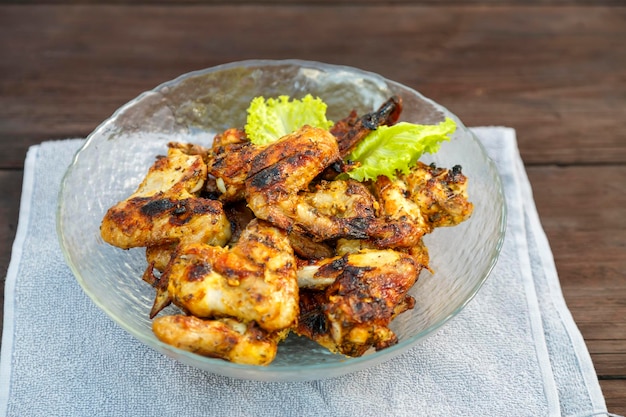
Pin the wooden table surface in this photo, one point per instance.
(553, 70)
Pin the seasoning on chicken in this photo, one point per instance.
(165, 208)
(413, 204)
(401, 222)
(369, 288)
(229, 164)
(224, 338)
(440, 193)
(277, 188)
(254, 281)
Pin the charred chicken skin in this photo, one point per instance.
(278, 188)
(166, 207)
(228, 164)
(350, 130)
(224, 338)
(367, 290)
(415, 203)
(440, 193)
(254, 281)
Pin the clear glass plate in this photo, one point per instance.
(193, 108)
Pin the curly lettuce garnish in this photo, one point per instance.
(391, 149)
(269, 120)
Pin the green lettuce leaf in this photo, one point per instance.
(268, 120)
(391, 149)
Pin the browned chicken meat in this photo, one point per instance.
(400, 222)
(224, 338)
(367, 290)
(229, 164)
(254, 281)
(277, 188)
(165, 208)
(415, 203)
(440, 193)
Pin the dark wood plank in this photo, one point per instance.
(615, 395)
(326, 2)
(10, 191)
(609, 357)
(601, 330)
(552, 69)
(581, 209)
(553, 73)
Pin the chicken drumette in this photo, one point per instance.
(239, 302)
(365, 291)
(224, 338)
(166, 207)
(255, 280)
(278, 188)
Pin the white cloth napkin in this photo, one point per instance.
(513, 351)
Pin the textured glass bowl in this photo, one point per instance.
(193, 108)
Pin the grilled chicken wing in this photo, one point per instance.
(140, 222)
(230, 158)
(277, 188)
(369, 288)
(415, 203)
(229, 164)
(165, 208)
(401, 223)
(440, 193)
(332, 209)
(224, 338)
(254, 281)
(350, 130)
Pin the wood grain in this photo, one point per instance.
(613, 390)
(388, 3)
(10, 191)
(581, 209)
(553, 73)
(552, 69)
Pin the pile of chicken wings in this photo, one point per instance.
(254, 242)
